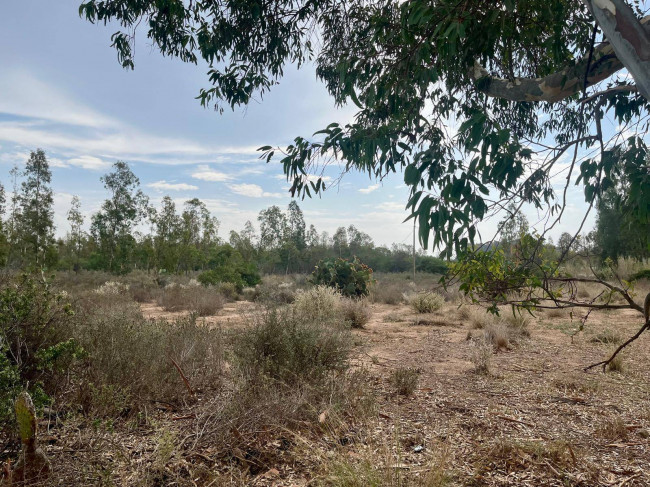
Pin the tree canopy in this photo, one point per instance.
(480, 104)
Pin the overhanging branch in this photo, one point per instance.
(561, 84)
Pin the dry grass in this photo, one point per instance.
(404, 380)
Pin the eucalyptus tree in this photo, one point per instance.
(167, 235)
(479, 104)
(76, 234)
(35, 218)
(113, 225)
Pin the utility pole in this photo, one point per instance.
(413, 250)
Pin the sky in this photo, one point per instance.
(62, 90)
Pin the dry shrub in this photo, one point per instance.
(204, 301)
(517, 324)
(496, 334)
(320, 303)
(142, 293)
(426, 302)
(273, 291)
(405, 380)
(555, 313)
(130, 358)
(283, 346)
(228, 290)
(478, 318)
(389, 290)
(356, 312)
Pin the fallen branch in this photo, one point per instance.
(187, 382)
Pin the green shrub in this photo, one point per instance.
(350, 278)
(36, 349)
(426, 302)
(643, 274)
(285, 347)
(238, 273)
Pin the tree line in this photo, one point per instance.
(128, 233)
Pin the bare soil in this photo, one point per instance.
(536, 419)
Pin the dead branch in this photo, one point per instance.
(180, 372)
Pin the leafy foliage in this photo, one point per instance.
(350, 278)
(35, 339)
(409, 67)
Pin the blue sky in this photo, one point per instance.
(62, 90)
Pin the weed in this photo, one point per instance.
(405, 380)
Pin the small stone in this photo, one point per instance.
(418, 449)
(644, 433)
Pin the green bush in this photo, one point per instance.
(350, 278)
(644, 274)
(36, 349)
(240, 274)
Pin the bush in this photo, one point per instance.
(129, 358)
(318, 304)
(283, 346)
(240, 274)
(350, 278)
(356, 312)
(196, 299)
(426, 302)
(643, 274)
(36, 345)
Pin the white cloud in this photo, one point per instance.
(391, 206)
(26, 96)
(205, 173)
(89, 162)
(253, 191)
(165, 186)
(369, 189)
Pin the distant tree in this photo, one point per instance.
(4, 244)
(340, 241)
(296, 221)
(76, 235)
(167, 226)
(617, 234)
(35, 220)
(112, 227)
(564, 242)
(274, 227)
(513, 227)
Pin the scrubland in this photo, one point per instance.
(167, 382)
